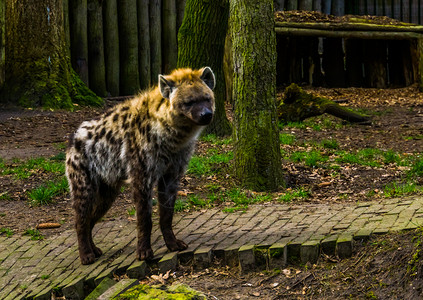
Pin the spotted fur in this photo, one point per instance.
(144, 141)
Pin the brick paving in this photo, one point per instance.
(284, 233)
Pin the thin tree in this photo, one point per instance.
(38, 68)
(201, 40)
(257, 149)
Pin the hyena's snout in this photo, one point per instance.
(202, 113)
(205, 116)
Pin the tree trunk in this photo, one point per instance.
(128, 47)
(298, 105)
(97, 67)
(38, 70)
(2, 42)
(201, 41)
(111, 46)
(257, 150)
(79, 38)
(144, 44)
(170, 47)
(155, 40)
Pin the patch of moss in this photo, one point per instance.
(173, 292)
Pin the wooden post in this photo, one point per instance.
(97, 68)
(79, 38)
(155, 39)
(2, 42)
(317, 5)
(375, 62)
(327, 6)
(305, 5)
(420, 63)
(128, 47)
(333, 62)
(144, 55)
(414, 10)
(180, 9)
(292, 5)
(338, 7)
(169, 46)
(354, 62)
(111, 46)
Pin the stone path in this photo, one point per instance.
(277, 233)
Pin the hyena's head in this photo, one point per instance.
(190, 94)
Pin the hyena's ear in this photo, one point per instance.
(165, 86)
(208, 78)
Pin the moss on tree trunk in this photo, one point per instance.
(201, 41)
(38, 69)
(257, 150)
(298, 105)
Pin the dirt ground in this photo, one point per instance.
(378, 269)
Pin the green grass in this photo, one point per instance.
(213, 139)
(395, 189)
(330, 144)
(34, 234)
(289, 196)
(210, 164)
(45, 194)
(7, 231)
(131, 211)
(286, 139)
(5, 196)
(310, 158)
(24, 169)
(180, 205)
(416, 168)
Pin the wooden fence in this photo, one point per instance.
(119, 47)
(405, 10)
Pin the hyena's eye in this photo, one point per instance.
(190, 103)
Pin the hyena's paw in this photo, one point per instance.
(178, 245)
(145, 254)
(97, 251)
(87, 259)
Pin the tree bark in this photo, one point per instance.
(79, 38)
(111, 46)
(38, 70)
(144, 44)
(155, 40)
(257, 150)
(128, 47)
(170, 47)
(97, 67)
(298, 105)
(2, 42)
(201, 41)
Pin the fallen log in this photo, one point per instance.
(298, 105)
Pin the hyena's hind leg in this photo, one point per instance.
(90, 205)
(106, 196)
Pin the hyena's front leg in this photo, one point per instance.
(142, 199)
(167, 190)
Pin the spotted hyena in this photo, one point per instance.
(144, 141)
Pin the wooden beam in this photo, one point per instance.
(289, 31)
(352, 26)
